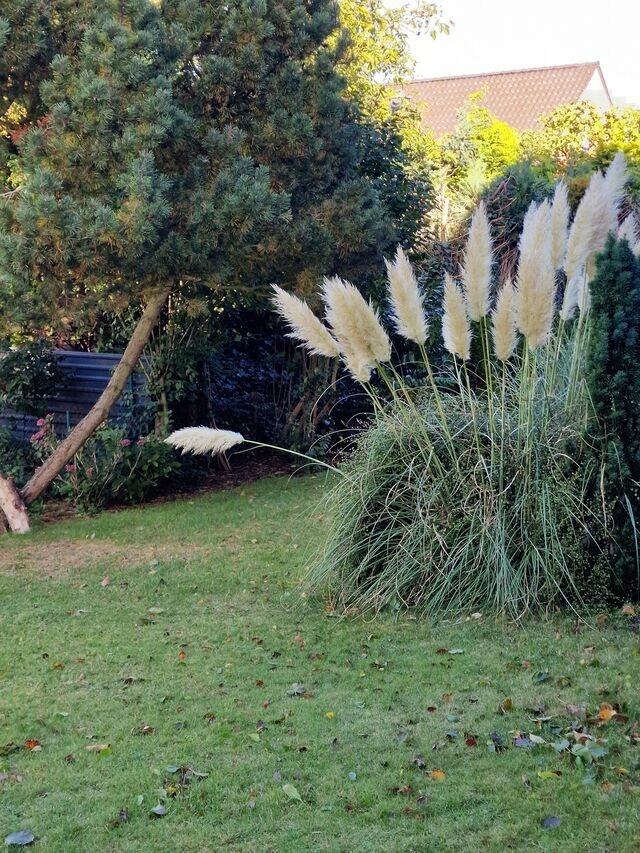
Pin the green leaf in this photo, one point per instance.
(292, 792)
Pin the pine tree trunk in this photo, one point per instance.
(12, 508)
(50, 469)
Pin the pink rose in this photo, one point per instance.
(125, 442)
(37, 435)
(40, 422)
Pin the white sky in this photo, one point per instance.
(501, 35)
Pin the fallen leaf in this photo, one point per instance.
(470, 740)
(506, 705)
(33, 745)
(606, 712)
(329, 715)
(549, 774)
(292, 792)
(628, 610)
(551, 822)
(21, 838)
(296, 690)
(155, 611)
(299, 640)
(456, 651)
(159, 810)
(101, 748)
(607, 787)
(105, 581)
(182, 655)
(259, 683)
(403, 790)
(437, 775)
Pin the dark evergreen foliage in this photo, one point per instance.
(613, 376)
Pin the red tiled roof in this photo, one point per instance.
(517, 97)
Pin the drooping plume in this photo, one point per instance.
(355, 325)
(503, 318)
(535, 283)
(476, 266)
(456, 331)
(305, 326)
(406, 302)
(201, 440)
(559, 225)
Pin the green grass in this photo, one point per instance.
(82, 664)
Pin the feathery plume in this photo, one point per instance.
(504, 322)
(456, 331)
(406, 302)
(476, 266)
(355, 323)
(596, 216)
(305, 326)
(200, 440)
(615, 178)
(559, 224)
(629, 231)
(535, 294)
(571, 298)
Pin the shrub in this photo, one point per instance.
(110, 468)
(27, 376)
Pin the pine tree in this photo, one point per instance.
(176, 145)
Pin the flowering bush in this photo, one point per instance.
(110, 468)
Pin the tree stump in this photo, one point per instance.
(13, 507)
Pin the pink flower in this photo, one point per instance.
(125, 442)
(140, 442)
(71, 469)
(40, 422)
(37, 435)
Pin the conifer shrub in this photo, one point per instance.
(612, 366)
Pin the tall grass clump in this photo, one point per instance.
(480, 488)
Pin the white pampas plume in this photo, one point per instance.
(629, 231)
(535, 294)
(476, 266)
(559, 224)
(355, 324)
(596, 216)
(406, 302)
(572, 292)
(503, 319)
(305, 326)
(202, 440)
(615, 179)
(456, 331)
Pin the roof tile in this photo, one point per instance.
(517, 97)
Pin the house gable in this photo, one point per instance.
(518, 98)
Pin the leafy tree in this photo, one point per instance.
(181, 147)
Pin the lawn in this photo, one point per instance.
(167, 656)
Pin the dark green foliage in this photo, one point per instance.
(613, 376)
(110, 468)
(28, 375)
(17, 459)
